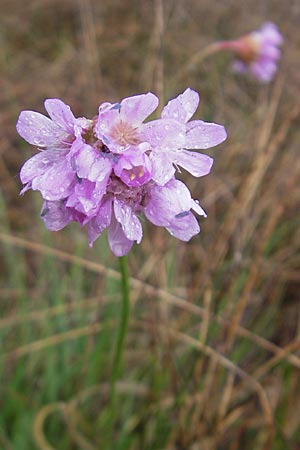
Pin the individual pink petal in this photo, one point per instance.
(106, 119)
(100, 222)
(38, 164)
(166, 202)
(184, 227)
(264, 70)
(56, 183)
(118, 242)
(86, 196)
(271, 34)
(162, 167)
(195, 163)
(39, 130)
(60, 113)
(130, 223)
(90, 164)
(270, 52)
(197, 208)
(55, 215)
(204, 135)
(165, 134)
(183, 107)
(137, 108)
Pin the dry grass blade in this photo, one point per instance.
(267, 151)
(252, 277)
(233, 368)
(153, 72)
(265, 368)
(148, 289)
(91, 63)
(38, 426)
(50, 341)
(51, 312)
(225, 400)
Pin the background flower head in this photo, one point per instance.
(258, 52)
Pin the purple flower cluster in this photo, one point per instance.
(108, 171)
(258, 52)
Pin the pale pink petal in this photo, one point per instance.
(105, 122)
(130, 223)
(264, 70)
(197, 208)
(270, 33)
(162, 167)
(118, 242)
(184, 227)
(183, 107)
(195, 163)
(39, 130)
(56, 183)
(60, 113)
(55, 215)
(270, 52)
(204, 135)
(90, 164)
(166, 202)
(137, 108)
(38, 164)
(164, 133)
(86, 196)
(100, 222)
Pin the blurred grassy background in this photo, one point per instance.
(212, 356)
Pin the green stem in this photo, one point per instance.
(123, 326)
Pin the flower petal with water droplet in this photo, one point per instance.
(39, 130)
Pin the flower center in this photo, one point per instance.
(125, 134)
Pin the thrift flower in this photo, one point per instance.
(109, 171)
(172, 146)
(258, 52)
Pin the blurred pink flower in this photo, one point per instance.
(258, 52)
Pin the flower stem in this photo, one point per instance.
(123, 326)
(194, 60)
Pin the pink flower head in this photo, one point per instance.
(258, 52)
(107, 172)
